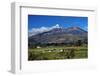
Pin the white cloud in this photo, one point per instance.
(35, 31)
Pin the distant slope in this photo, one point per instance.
(59, 35)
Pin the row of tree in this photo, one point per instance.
(77, 43)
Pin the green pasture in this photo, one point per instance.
(57, 52)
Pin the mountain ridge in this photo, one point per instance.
(60, 35)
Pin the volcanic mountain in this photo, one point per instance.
(59, 35)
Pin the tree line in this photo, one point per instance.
(77, 43)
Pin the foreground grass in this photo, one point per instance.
(56, 52)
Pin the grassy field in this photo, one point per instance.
(57, 52)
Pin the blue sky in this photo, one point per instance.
(38, 22)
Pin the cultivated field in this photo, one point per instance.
(57, 52)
